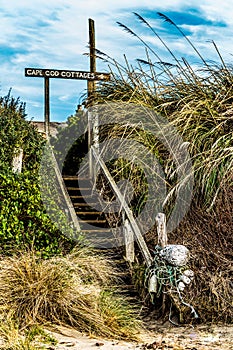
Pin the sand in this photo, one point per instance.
(162, 337)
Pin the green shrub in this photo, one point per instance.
(16, 132)
(23, 218)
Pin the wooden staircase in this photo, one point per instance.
(92, 221)
(82, 202)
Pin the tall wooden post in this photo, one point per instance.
(46, 107)
(91, 84)
(93, 122)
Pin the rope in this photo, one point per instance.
(167, 276)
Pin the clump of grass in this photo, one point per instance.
(111, 310)
(34, 338)
(65, 290)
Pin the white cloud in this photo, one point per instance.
(54, 34)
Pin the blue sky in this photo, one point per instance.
(54, 34)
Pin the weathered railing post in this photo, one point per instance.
(64, 192)
(161, 230)
(129, 241)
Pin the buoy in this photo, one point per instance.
(181, 286)
(153, 284)
(185, 279)
(189, 273)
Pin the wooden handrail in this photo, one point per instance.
(140, 240)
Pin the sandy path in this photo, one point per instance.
(176, 338)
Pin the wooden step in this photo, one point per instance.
(80, 197)
(100, 230)
(92, 221)
(89, 212)
(70, 177)
(74, 178)
(77, 205)
(79, 189)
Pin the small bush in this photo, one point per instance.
(65, 290)
(16, 132)
(119, 314)
(23, 219)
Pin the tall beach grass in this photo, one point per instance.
(197, 100)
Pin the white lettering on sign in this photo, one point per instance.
(65, 74)
(34, 72)
(52, 73)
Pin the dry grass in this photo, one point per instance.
(67, 290)
(34, 338)
(198, 103)
(209, 237)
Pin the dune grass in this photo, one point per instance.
(197, 101)
(76, 290)
(13, 338)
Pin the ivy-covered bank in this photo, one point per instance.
(23, 219)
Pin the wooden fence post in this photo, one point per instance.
(129, 241)
(17, 161)
(161, 230)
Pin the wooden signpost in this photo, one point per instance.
(47, 74)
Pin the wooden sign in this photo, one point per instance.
(91, 76)
(65, 74)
